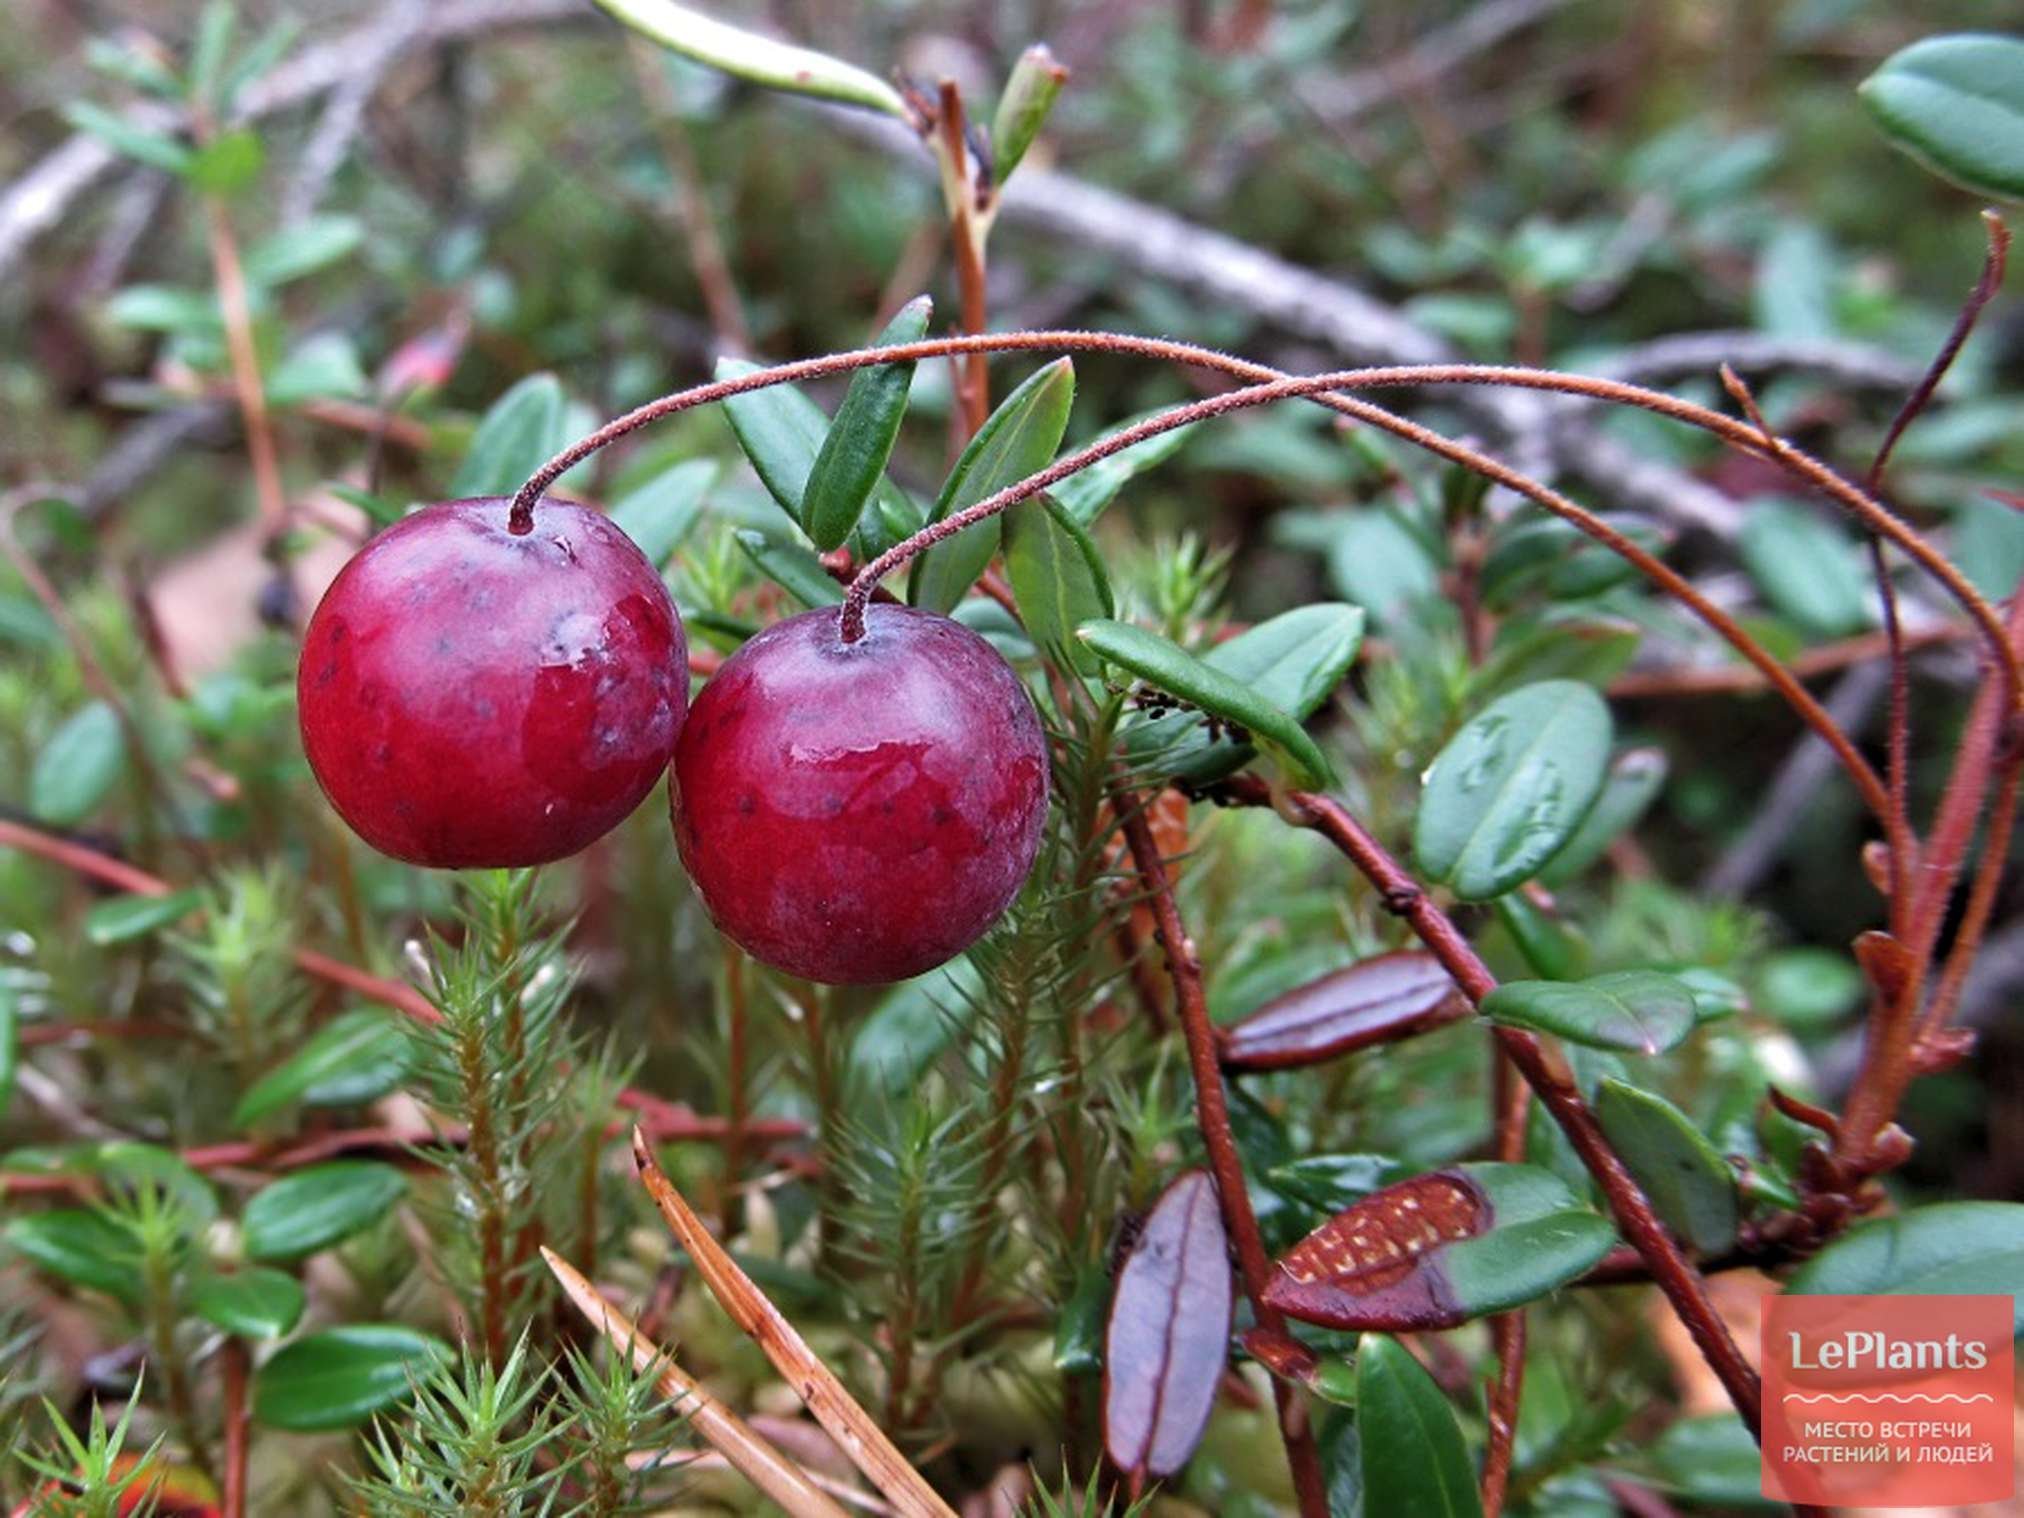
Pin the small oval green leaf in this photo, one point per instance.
(255, 1303)
(1639, 1011)
(658, 514)
(81, 1246)
(342, 1376)
(1633, 783)
(523, 430)
(1018, 439)
(854, 451)
(127, 917)
(78, 766)
(1690, 1185)
(356, 1057)
(1948, 1249)
(1173, 669)
(315, 1208)
(1057, 578)
(792, 567)
(1509, 789)
(1413, 1456)
(1956, 103)
(1807, 569)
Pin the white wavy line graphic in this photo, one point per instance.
(1891, 1397)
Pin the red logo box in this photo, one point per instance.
(1889, 1401)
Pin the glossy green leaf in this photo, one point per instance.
(1711, 1460)
(323, 366)
(254, 1303)
(854, 451)
(1948, 1249)
(303, 249)
(1639, 1011)
(1508, 790)
(341, 1376)
(315, 1208)
(1078, 1327)
(1085, 494)
(792, 567)
(166, 308)
(756, 58)
(1379, 562)
(354, 1058)
(1957, 104)
(1807, 568)
(911, 1026)
(1180, 673)
(78, 766)
(1809, 988)
(81, 1246)
(659, 514)
(1295, 660)
(1635, 778)
(1555, 950)
(1057, 577)
(1688, 1182)
(1413, 1457)
(780, 430)
(1035, 81)
(523, 429)
(1018, 439)
(128, 917)
(1541, 1236)
(142, 144)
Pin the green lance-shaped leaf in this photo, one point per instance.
(781, 432)
(315, 1208)
(1688, 1182)
(658, 514)
(1173, 669)
(1556, 950)
(1509, 789)
(1018, 439)
(1956, 103)
(354, 1058)
(1948, 1249)
(853, 456)
(792, 567)
(296, 251)
(1022, 110)
(1633, 783)
(1379, 561)
(139, 143)
(1414, 1460)
(255, 1303)
(80, 763)
(128, 917)
(1294, 660)
(750, 56)
(1085, 494)
(523, 429)
(342, 1376)
(1638, 1011)
(1439, 1249)
(1057, 578)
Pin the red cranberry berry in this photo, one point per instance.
(854, 812)
(475, 697)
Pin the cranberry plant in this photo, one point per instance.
(1103, 1016)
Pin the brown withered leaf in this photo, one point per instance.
(1367, 1267)
(1379, 1000)
(1169, 1333)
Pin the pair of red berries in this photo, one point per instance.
(848, 811)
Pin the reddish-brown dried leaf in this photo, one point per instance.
(1169, 1333)
(1368, 1267)
(1380, 1000)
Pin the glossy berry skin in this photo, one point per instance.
(860, 812)
(473, 698)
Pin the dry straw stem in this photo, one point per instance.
(834, 1408)
(769, 1470)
